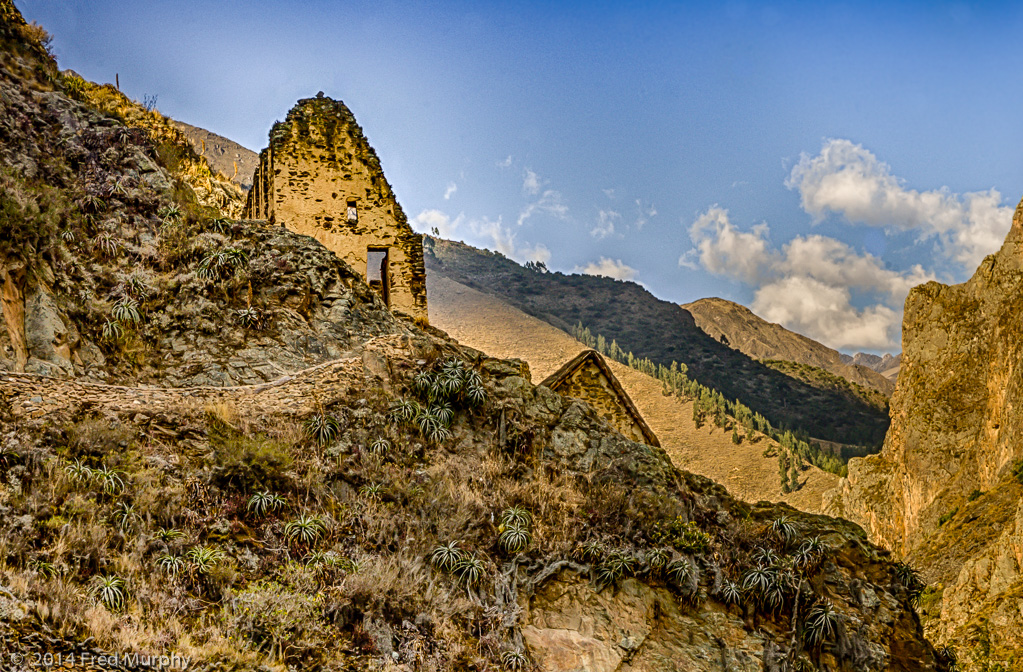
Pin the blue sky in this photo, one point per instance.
(810, 160)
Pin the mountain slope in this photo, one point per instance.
(945, 490)
(738, 327)
(487, 323)
(224, 155)
(662, 332)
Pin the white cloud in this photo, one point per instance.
(849, 180)
(611, 268)
(531, 183)
(610, 193)
(503, 240)
(808, 285)
(549, 203)
(645, 213)
(825, 313)
(605, 224)
(506, 163)
(450, 191)
(428, 220)
(724, 250)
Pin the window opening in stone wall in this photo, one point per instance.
(353, 212)
(377, 272)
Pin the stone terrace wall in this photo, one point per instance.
(32, 395)
(36, 396)
(317, 161)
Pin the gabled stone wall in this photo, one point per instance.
(590, 384)
(317, 163)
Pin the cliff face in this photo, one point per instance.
(955, 434)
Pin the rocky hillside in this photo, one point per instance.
(411, 505)
(224, 155)
(664, 332)
(749, 469)
(887, 366)
(738, 327)
(945, 490)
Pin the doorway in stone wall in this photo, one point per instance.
(378, 272)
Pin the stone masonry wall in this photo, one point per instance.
(592, 386)
(318, 160)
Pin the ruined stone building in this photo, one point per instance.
(320, 177)
(588, 377)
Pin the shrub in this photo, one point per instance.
(974, 495)
(947, 516)
(684, 535)
(249, 463)
(276, 620)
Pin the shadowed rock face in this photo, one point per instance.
(956, 433)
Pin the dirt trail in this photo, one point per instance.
(484, 322)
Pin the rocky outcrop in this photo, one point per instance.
(739, 328)
(955, 441)
(225, 156)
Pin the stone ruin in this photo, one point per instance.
(320, 177)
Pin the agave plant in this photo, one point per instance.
(759, 582)
(380, 446)
(784, 529)
(616, 566)
(444, 413)
(593, 550)
(405, 411)
(949, 657)
(125, 516)
(657, 558)
(680, 571)
(305, 529)
(809, 554)
(110, 590)
(374, 491)
(447, 557)
(67, 235)
(169, 212)
(45, 569)
(134, 287)
(220, 224)
(765, 556)
(78, 472)
(438, 433)
(204, 558)
(322, 428)
(107, 244)
(252, 318)
(171, 564)
(422, 381)
(514, 538)
(263, 502)
(126, 311)
(109, 480)
(514, 660)
(821, 623)
(476, 394)
(470, 569)
(516, 515)
(730, 593)
(112, 331)
(169, 535)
